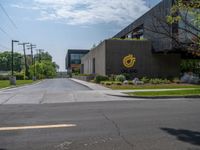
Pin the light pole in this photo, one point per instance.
(13, 78)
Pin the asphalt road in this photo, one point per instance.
(52, 91)
(126, 125)
(29, 122)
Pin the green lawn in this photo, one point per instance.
(150, 86)
(168, 93)
(6, 83)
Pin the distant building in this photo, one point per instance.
(73, 59)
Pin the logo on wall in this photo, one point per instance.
(129, 61)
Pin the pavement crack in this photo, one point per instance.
(118, 130)
(43, 97)
(8, 99)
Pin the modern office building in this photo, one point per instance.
(73, 58)
(143, 48)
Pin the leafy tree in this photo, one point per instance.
(185, 17)
(6, 59)
(43, 56)
(187, 13)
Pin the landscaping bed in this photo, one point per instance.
(189, 92)
(150, 86)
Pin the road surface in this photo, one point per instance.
(98, 125)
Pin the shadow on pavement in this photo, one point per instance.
(192, 137)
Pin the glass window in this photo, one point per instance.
(76, 58)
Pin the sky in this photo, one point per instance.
(59, 25)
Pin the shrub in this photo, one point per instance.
(20, 76)
(155, 81)
(176, 80)
(107, 83)
(120, 78)
(127, 76)
(100, 78)
(4, 77)
(130, 82)
(165, 81)
(118, 83)
(102, 82)
(159, 81)
(145, 80)
(112, 77)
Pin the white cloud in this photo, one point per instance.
(82, 12)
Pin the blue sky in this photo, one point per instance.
(58, 25)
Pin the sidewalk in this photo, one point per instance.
(120, 93)
(92, 86)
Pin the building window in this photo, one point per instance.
(76, 58)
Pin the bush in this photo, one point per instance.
(118, 83)
(112, 77)
(127, 76)
(165, 81)
(4, 77)
(159, 81)
(107, 83)
(130, 82)
(100, 78)
(120, 78)
(155, 81)
(176, 80)
(20, 76)
(145, 80)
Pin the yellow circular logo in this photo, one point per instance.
(129, 61)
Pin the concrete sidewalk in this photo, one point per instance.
(107, 91)
(92, 86)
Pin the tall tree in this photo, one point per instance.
(5, 61)
(184, 17)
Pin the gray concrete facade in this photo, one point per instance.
(109, 57)
(153, 26)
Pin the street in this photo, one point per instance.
(93, 120)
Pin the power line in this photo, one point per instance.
(2, 30)
(4, 46)
(12, 22)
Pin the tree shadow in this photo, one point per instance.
(192, 137)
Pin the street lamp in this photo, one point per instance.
(13, 78)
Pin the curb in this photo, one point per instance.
(80, 84)
(90, 87)
(156, 97)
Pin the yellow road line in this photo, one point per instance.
(37, 127)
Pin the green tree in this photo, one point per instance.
(186, 13)
(43, 56)
(5, 61)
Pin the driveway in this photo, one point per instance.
(53, 91)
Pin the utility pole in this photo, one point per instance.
(25, 60)
(12, 78)
(33, 60)
(31, 48)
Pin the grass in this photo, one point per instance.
(150, 86)
(168, 93)
(6, 83)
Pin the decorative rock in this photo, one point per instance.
(125, 82)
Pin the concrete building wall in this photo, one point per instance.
(155, 27)
(147, 63)
(99, 55)
(110, 54)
